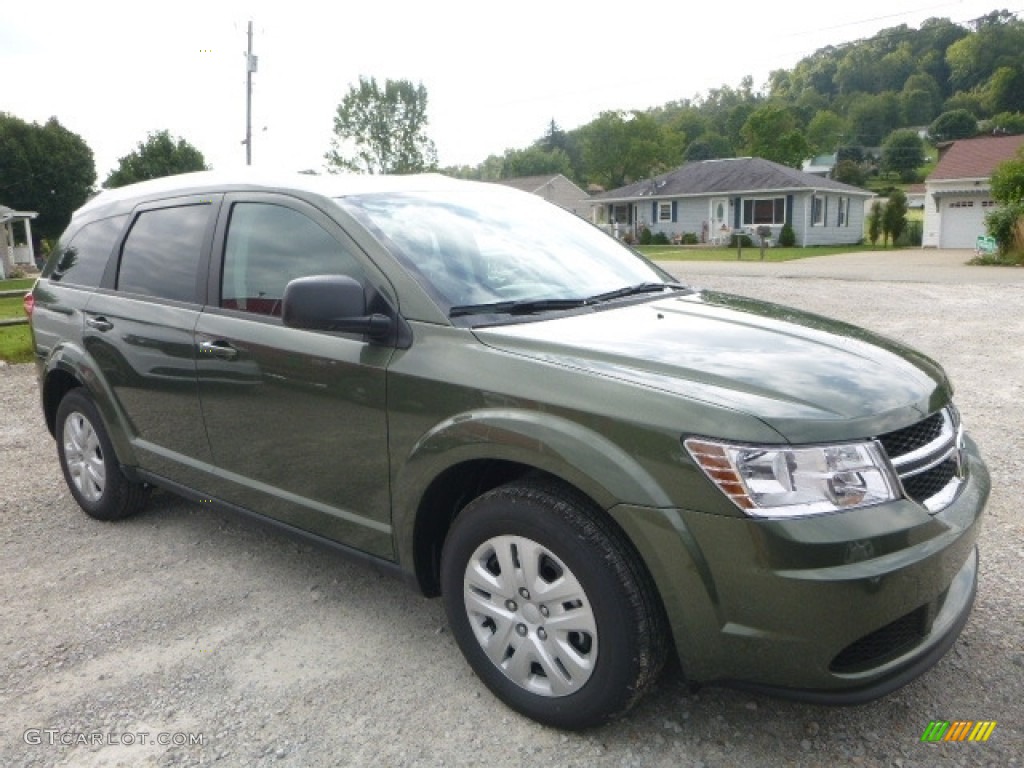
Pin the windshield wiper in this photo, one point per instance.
(519, 307)
(634, 290)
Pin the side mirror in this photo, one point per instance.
(331, 303)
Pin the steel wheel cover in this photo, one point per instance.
(531, 616)
(83, 456)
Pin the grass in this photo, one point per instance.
(16, 344)
(704, 253)
(20, 284)
(11, 307)
(15, 340)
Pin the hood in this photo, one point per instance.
(808, 377)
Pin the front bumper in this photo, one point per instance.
(838, 608)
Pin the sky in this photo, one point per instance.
(496, 73)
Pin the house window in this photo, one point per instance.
(988, 203)
(844, 210)
(620, 214)
(817, 211)
(764, 210)
(664, 211)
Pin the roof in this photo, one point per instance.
(820, 164)
(731, 176)
(534, 184)
(9, 214)
(975, 158)
(530, 183)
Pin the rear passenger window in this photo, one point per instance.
(160, 256)
(84, 259)
(269, 245)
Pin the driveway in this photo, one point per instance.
(920, 265)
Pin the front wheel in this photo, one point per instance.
(90, 467)
(551, 606)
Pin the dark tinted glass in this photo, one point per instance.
(269, 245)
(161, 254)
(83, 261)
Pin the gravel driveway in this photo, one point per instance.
(187, 624)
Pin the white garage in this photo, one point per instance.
(963, 220)
(958, 192)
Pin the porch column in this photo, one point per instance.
(6, 257)
(28, 240)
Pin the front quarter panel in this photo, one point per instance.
(454, 400)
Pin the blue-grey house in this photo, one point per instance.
(714, 198)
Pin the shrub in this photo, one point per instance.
(912, 235)
(744, 240)
(660, 238)
(689, 238)
(787, 237)
(645, 236)
(1001, 223)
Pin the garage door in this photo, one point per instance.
(963, 219)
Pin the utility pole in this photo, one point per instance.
(251, 63)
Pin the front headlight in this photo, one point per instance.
(774, 481)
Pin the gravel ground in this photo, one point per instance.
(197, 624)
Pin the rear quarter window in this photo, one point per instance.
(84, 259)
(161, 254)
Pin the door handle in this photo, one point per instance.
(99, 323)
(220, 349)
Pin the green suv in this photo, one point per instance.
(593, 465)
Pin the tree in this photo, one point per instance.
(1004, 223)
(772, 132)
(159, 155)
(850, 172)
(875, 222)
(619, 148)
(710, 146)
(903, 153)
(1006, 124)
(555, 140)
(826, 132)
(1004, 91)
(894, 216)
(952, 125)
(997, 42)
(873, 117)
(44, 168)
(382, 130)
(1008, 181)
(535, 161)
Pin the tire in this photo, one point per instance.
(551, 606)
(90, 466)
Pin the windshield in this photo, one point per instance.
(487, 244)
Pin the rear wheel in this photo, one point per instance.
(551, 606)
(90, 467)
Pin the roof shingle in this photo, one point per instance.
(729, 176)
(975, 158)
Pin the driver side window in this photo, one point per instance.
(269, 245)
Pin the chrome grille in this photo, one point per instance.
(927, 457)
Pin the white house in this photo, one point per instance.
(958, 193)
(13, 252)
(714, 198)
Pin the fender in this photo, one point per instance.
(75, 361)
(582, 457)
